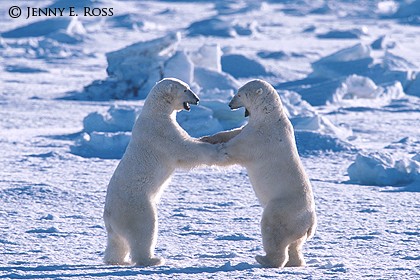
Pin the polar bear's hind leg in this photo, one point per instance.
(295, 253)
(270, 260)
(281, 236)
(142, 235)
(116, 252)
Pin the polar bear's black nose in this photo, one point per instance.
(194, 97)
(232, 104)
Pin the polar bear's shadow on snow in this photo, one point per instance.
(78, 271)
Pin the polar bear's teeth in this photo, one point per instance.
(186, 106)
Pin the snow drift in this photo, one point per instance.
(351, 73)
(407, 12)
(218, 27)
(51, 38)
(53, 27)
(105, 135)
(382, 169)
(104, 145)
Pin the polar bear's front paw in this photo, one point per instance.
(150, 262)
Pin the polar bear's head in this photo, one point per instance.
(257, 96)
(174, 92)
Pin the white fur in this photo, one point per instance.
(266, 147)
(158, 146)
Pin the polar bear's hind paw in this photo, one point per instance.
(124, 263)
(269, 263)
(151, 262)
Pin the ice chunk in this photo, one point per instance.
(75, 27)
(48, 48)
(3, 43)
(179, 66)
(309, 142)
(210, 79)
(408, 9)
(130, 21)
(116, 119)
(358, 87)
(396, 63)
(240, 66)
(135, 61)
(381, 169)
(50, 26)
(407, 12)
(227, 118)
(23, 69)
(273, 55)
(106, 135)
(224, 95)
(326, 8)
(39, 28)
(73, 34)
(199, 122)
(393, 68)
(413, 86)
(387, 8)
(134, 70)
(221, 28)
(354, 33)
(406, 144)
(246, 29)
(305, 118)
(238, 7)
(102, 145)
(352, 60)
(208, 56)
(212, 27)
(350, 74)
(378, 44)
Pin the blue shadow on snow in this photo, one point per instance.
(79, 271)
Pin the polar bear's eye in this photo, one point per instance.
(185, 90)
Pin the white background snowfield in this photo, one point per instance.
(71, 88)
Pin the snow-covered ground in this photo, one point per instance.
(348, 73)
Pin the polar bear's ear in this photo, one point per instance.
(259, 91)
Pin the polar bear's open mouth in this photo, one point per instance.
(247, 113)
(186, 106)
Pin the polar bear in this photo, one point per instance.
(158, 145)
(266, 148)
